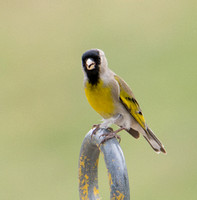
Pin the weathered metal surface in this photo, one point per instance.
(115, 163)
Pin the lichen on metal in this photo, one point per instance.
(115, 163)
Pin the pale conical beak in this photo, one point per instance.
(90, 64)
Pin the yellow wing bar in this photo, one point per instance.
(128, 100)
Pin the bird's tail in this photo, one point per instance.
(154, 141)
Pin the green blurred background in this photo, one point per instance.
(44, 112)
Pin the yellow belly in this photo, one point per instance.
(100, 98)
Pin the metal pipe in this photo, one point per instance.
(115, 163)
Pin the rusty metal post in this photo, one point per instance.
(115, 163)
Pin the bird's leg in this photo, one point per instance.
(96, 126)
(111, 135)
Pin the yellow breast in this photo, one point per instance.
(100, 98)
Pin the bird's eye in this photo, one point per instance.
(90, 64)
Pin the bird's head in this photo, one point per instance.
(93, 62)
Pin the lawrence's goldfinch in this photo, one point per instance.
(112, 98)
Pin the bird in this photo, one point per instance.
(111, 97)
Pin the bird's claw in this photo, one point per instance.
(96, 126)
(110, 129)
(109, 136)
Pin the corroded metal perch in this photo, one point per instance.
(115, 163)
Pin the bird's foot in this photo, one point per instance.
(110, 135)
(96, 126)
(110, 129)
